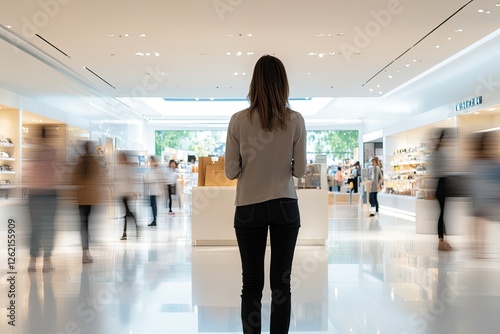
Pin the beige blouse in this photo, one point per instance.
(262, 161)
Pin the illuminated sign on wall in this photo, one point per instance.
(469, 103)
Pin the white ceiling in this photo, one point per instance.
(354, 53)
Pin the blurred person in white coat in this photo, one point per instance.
(171, 182)
(154, 180)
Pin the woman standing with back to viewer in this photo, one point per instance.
(266, 146)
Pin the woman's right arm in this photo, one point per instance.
(299, 148)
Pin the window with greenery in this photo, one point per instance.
(336, 144)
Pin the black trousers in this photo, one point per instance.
(251, 223)
(42, 213)
(170, 192)
(441, 193)
(154, 207)
(84, 225)
(128, 213)
(374, 200)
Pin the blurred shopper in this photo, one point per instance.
(265, 148)
(375, 186)
(330, 178)
(485, 187)
(339, 178)
(41, 181)
(443, 162)
(89, 181)
(171, 181)
(356, 173)
(154, 180)
(124, 190)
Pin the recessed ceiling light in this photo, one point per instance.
(148, 54)
(8, 26)
(111, 35)
(380, 93)
(320, 35)
(127, 35)
(139, 54)
(390, 76)
(448, 38)
(228, 53)
(378, 86)
(480, 10)
(142, 35)
(331, 53)
(249, 53)
(250, 35)
(488, 12)
(436, 46)
(371, 89)
(311, 54)
(243, 73)
(321, 55)
(238, 53)
(407, 65)
(235, 73)
(458, 30)
(157, 54)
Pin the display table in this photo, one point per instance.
(425, 213)
(213, 216)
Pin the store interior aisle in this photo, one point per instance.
(375, 275)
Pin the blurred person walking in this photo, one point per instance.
(485, 188)
(265, 148)
(89, 181)
(339, 178)
(356, 173)
(124, 189)
(171, 181)
(154, 180)
(41, 181)
(375, 186)
(443, 165)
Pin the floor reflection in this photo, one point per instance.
(374, 275)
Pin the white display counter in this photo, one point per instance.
(213, 216)
(425, 213)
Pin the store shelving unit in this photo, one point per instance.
(408, 175)
(9, 160)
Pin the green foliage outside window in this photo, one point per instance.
(336, 144)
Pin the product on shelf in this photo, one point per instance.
(407, 174)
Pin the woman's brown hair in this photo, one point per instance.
(268, 94)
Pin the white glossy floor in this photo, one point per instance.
(375, 275)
